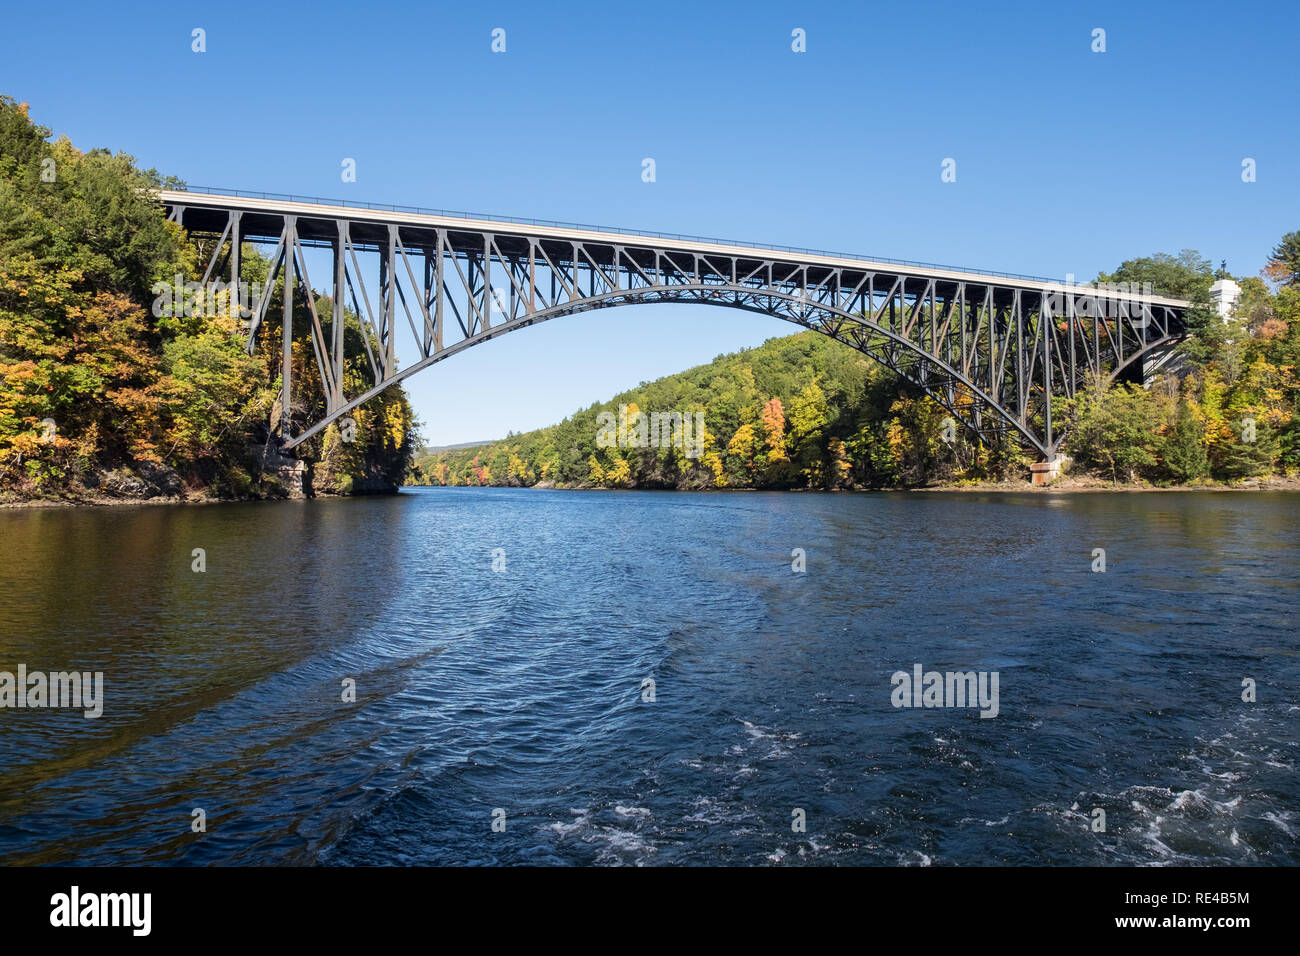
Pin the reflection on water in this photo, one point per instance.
(522, 691)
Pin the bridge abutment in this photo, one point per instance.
(287, 472)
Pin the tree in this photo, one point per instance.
(1183, 453)
(774, 431)
(1116, 429)
(809, 416)
(740, 455)
(619, 473)
(1249, 455)
(1284, 265)
(1188, 275)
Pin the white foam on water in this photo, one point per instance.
(782, 737)
(1152, 837)
(712, 812)
(1279, 821)
(583, 816)
(621, 841)
(1228, 776)
(1189, 798)
(613, 843)
(1199, 800)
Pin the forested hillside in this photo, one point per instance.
(798, 411)
(103, 392)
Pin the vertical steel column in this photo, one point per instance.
(437, 285)
(1024, 364)
(429, 293)
(339, 311)
(291, 238)
(1044, 319)
(390, 301)
(472, 310)
(961, 334)
(1096, 343)
(576, 292)
(1072, 317)
(934, 342)
(489, 299)
(234, 256)
(532, 277)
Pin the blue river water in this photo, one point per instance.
(503, 714)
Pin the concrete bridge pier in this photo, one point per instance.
(1046, 472)
(288, 472)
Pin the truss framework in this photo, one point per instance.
(989, 349)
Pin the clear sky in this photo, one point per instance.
(1067, 161)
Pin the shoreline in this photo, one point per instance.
(192, 500)
(1067, 485)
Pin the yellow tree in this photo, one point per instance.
(617, 475)
(740, 451)
(840, 464)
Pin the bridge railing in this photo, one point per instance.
(615, 230)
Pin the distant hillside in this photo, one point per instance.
(426, 450)
(800, 411)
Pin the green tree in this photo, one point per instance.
(1183, 453)
(1116, 430)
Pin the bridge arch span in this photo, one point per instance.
(992, 349)
(827, 320)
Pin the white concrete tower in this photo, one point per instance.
(1225, 294)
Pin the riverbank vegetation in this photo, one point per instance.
(1229, 410)
(105, 394)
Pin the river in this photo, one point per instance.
(503, 711)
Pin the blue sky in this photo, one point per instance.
(1068, 161)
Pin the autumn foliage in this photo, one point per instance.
(96, 386)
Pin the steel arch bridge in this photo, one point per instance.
(990, 348)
